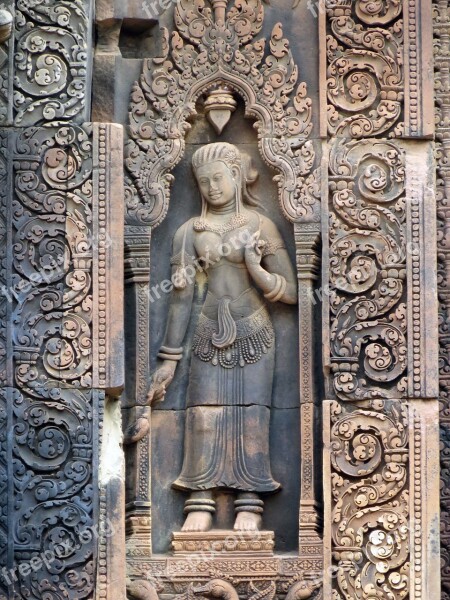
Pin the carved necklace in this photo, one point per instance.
(236, 221)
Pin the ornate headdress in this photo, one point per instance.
(219, 151)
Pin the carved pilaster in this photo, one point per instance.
(137, 282)
(379, 261)
(307, 242)
(53, 374)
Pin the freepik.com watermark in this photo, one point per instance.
(245, 239)
(63, 549)
(56, 268)
(153, 8)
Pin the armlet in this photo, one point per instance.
(271, 246)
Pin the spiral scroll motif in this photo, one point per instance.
(51, 61)
(368, 270)
(53, 404)
(370, 528)
(365, 73)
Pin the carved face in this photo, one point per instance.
(217, 183)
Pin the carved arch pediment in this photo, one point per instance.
(213, 47)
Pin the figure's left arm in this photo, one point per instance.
(270, 265)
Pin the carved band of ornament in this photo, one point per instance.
(365, 75)
(51, 61)
(370, 501)
(205, 53)
(101, 262)
(367, 250)
(417, 506)
(54, 413)
(441, 25)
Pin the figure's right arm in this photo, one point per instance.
(180, 307)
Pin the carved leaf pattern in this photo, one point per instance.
(207, 50)
(365, 72)
(370, 516)
(53, 409)
(51, 61)
(367, 270)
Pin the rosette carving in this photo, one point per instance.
(370, 514)
(365, 67)
(214, 47)
(368, 270)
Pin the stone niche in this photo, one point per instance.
(264, 108)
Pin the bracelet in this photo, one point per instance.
(167, 353)
(278, 291)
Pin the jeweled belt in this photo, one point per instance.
(228, 342)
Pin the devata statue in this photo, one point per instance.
(233, 351)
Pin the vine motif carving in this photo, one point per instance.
(367, 270)
(51, 61)
(213, 47)
(54, 411)
(441, 23)
(365, 74)
(370, 509)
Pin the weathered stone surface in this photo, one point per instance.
(357, 359)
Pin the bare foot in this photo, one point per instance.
(198, 520)
(247, 521)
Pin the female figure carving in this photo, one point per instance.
(233, 351)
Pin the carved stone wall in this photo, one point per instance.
(56, 351)
(355, 178)
(61, 234)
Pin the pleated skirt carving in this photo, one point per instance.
(228, 427)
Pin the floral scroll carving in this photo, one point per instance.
(53, 243)
(52, 344)
(212, 47)
(370, 514)
(368, 270)
(365, 74)
(48, 404)
(51, 61)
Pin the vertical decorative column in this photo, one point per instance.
(6, 62)
(381, 476)
(137, 282)
(441, 24)
(307, 242)
(64, 241)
